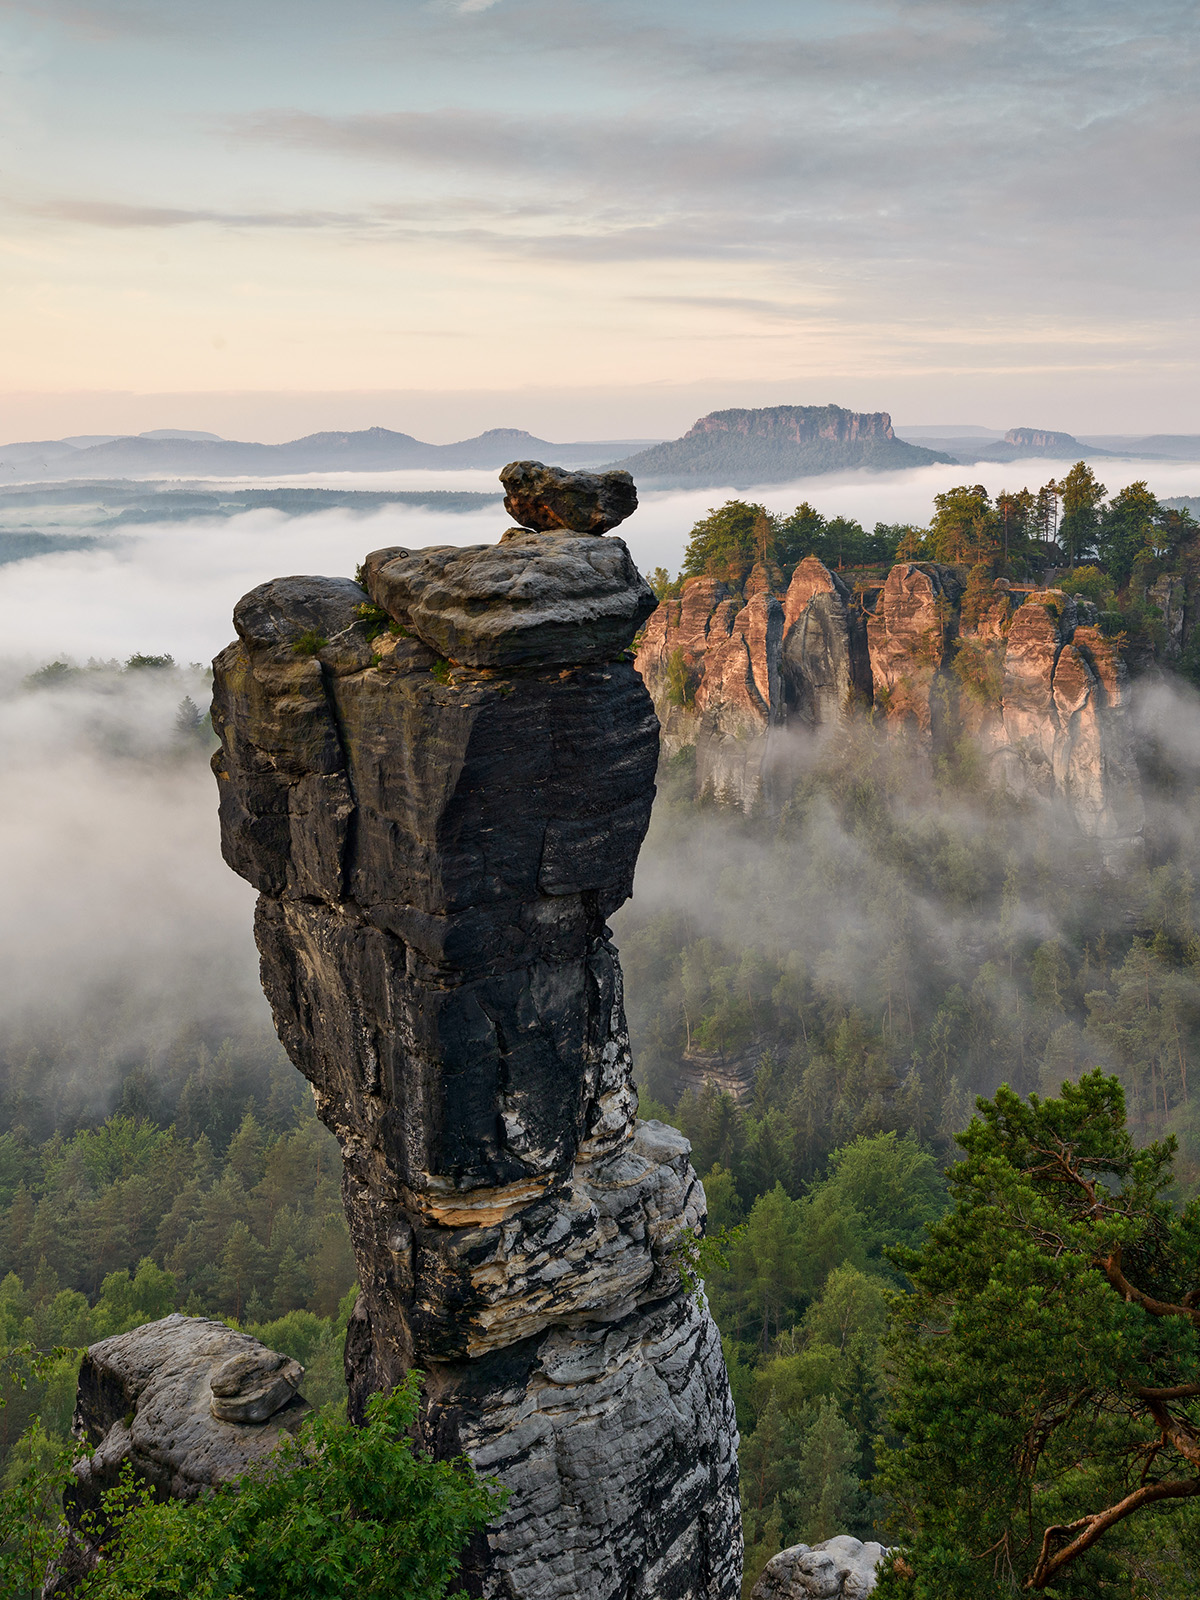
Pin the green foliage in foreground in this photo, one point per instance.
(1047, 1368)
(338, 1511)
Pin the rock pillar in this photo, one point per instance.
(439, 781)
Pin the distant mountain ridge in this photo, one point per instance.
(1023, 443)
(364, 450)
(741, 448)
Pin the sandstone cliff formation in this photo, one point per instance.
(774, 443)
(439, 782)
(186, 1403)
(736, 672)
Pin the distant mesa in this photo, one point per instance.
(1018, 444)
(776, 443)
(1041, 441)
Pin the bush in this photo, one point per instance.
(1091, 584)
(681, 681)
(338, 1511)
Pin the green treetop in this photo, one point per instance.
(1047, 1366)
(1082, 498)
(728, 541)
(965, 526)
(1127, 529)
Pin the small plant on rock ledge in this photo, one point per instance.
(698, 1254)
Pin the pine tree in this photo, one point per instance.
(827, 1496)
(241, 1264)
(293, 1284)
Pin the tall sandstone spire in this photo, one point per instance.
(439, 782)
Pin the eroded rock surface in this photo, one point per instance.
(533, 599)
(552, 499)
(841, 1568)
(439, 814)
(187, 1403)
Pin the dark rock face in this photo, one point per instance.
(553, 500)
(439, 818)
(187, 1403)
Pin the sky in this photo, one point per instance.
(596, 218)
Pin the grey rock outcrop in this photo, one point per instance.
(841, 1568)
(825, 664)
(187, 1403)
(534, 598)
(439, 815)
(553, 500)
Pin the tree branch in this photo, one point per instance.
(1088, 1529)
(1110, 1265)
(1180, 1434)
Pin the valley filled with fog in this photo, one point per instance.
(170, 588)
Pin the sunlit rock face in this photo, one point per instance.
(739, 674)
(439, 784)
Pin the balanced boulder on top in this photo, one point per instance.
(553, 500)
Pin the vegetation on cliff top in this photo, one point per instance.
(1132, 536)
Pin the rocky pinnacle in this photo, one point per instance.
(439, 781)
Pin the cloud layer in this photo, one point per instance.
(860, 193)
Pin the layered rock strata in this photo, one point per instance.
(735, 672)
(186, 1403)
(439, 784)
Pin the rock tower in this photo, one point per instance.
(438, 778)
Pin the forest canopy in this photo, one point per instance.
(1063, 523)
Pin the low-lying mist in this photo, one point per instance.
(899, 937)
(905, 935)
(170, 587)
(124, 938)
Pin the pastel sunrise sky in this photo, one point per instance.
(596, 218)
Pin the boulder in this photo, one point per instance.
(533, 599)
(552, 499)
(185, 1402)
(841, 1568)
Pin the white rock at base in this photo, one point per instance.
(841, 1568)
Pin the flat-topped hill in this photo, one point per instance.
(771, 444)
